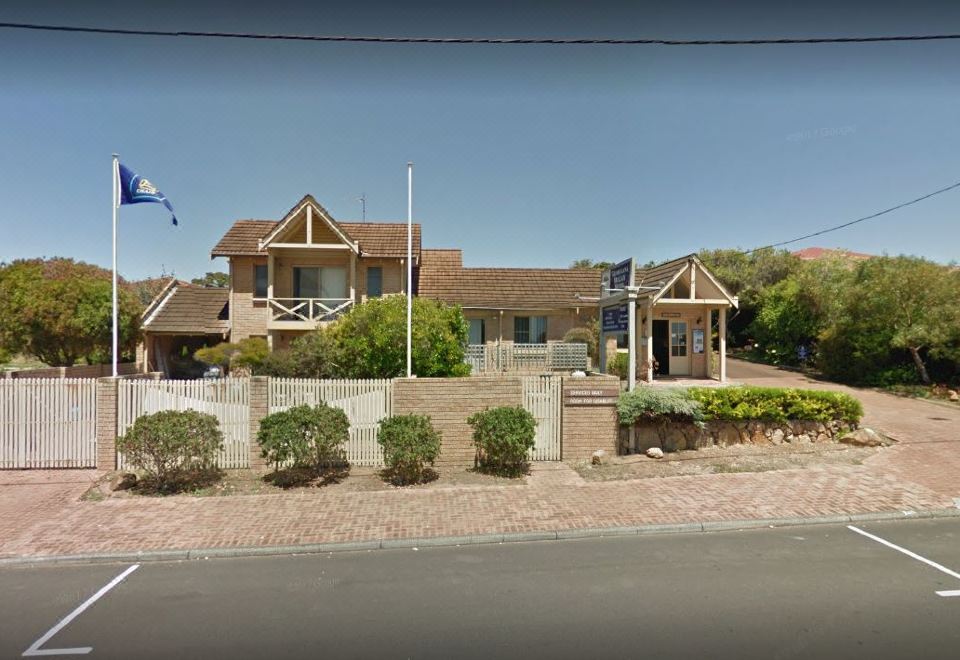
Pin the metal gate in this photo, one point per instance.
(542, 397)
(48, 423)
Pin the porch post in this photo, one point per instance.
(723, 344)
(649, 331)
(353, 277)
(269, 277)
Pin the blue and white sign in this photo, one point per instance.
(615, 318)
(621, 275)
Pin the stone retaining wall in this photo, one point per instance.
(676, 436)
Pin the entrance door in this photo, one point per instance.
(679, 349)
(661, 347)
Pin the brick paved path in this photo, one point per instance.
(41, 515)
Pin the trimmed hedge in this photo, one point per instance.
(775, 404)
(409, 444)
(173, 448)
(658, 404)
(736, 404)
(305, 436)
(503, 437)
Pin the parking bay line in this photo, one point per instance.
(35, 649)
(943, 569)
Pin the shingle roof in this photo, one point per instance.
(376, 239)
(191, 310)
(443, 279)
(243, 238)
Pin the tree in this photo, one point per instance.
(369, 341)
(747, 276)
(248, 353)
(59, 311)
(213, 280)
(795, 310)
(590, 263)
(911, 303)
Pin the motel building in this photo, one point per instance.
(292, 275)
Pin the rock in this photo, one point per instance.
(578, 374)
(123, 481)
(866, 438)
(823, 437)
(598, 457)
(777, 436)
(952, 395)
(655, 452)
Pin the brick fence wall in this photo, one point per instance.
(449, 402)
(587, 428)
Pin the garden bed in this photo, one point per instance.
(355, 480)
(721, 460)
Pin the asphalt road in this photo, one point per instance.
(801, 592)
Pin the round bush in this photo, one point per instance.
(170, 446)
(410, 443)
(503, 437)
(305, 437)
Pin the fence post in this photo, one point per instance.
(107, 423)
(259, 408)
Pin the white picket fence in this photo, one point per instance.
(542, 398)
(48, 423)
(228, 400)
(366, 403)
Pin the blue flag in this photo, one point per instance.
(134, 189)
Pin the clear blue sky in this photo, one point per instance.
(525, 155)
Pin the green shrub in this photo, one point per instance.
(583, 335)
(733, 404)
(503, 437)
(619, 365)
(172, 447)
(658, 404)
(305, 437)
(410, 443)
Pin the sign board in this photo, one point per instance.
(591, 396)
(698, 340)
(616, 278)
(615, 318)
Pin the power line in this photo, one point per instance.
(858, 220)
(478, 40)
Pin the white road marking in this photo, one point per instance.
(914, 555)
(83, 650)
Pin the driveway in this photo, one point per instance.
(928, 433)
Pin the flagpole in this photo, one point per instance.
(116, 208)
(409, 264)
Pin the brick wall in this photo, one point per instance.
(106, 423)
(259, 408)
(449, 402)
(587, 428)
(247, 317)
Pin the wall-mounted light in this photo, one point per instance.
(699, 320)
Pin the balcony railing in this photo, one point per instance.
(507, 356)
(308, 310)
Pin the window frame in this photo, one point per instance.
(266, 282)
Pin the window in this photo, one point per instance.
(260, 281)
(323, 283)
(477, 332)
(374, 281)
(530, 329)
(678, 339)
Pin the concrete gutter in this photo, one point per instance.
(455, 541)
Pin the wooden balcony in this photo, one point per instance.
(304, 313)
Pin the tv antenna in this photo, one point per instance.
(363, 205)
